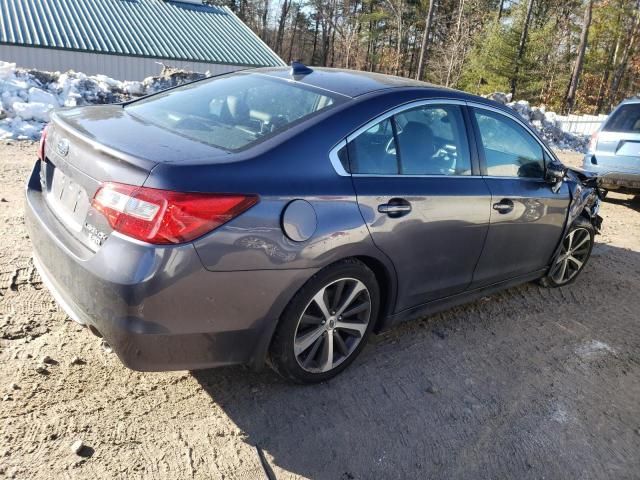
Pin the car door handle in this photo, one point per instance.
(396, 207)
(503, 206)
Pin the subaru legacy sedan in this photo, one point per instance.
(614, 150)
(280, 216)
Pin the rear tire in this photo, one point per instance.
(574, 255)
(327, 323)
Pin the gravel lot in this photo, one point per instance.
(528, 383)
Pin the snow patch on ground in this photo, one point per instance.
(27, 97)
(560, 414)
(593, 349)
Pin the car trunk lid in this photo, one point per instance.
(88, 146)
(618, 144)
(622, 150)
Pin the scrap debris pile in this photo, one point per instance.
(546, 123)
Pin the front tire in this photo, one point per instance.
(573, 256)
(327, 323)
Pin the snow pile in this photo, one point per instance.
(28, 96)
(546, 123)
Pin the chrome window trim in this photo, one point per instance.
(405, 175)
(337, 165)
(335, 159)
(402, 108)
(506, 177)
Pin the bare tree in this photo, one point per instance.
(613, 51)
(500, 10)
(456, 41)
(577, 68)
(521, 48)
(624, 61)
(286, 5)
(265, 15)
(397, 9)
(425, 38)
(296, 21)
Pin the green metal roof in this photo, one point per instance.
(146, 28)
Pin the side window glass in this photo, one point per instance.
(343, 156)
(374, 151)
(509, 150)
(432, 141)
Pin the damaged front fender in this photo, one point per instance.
(586, 197)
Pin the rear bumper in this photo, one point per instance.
(613, 179)
(620, 181)
(158, 307)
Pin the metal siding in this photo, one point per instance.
(145, 28)
(116, 66)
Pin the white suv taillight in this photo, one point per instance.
(593, 143)
(164, 216)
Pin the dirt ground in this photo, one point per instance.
(528, 383)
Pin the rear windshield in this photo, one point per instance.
(624, 119)
(233, 111)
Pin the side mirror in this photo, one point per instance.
(555, 173)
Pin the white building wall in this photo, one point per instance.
(114, 66)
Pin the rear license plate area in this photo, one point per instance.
(67, 199)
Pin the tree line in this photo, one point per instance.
(577, 56)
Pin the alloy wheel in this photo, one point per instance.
(574, 253)
(332, 325)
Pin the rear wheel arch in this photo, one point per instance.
(387, 283)
(282, 356)
(385, 276)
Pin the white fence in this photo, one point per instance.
(580, 124)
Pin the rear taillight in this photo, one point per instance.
(593, 143)
(166, 217)
(43, 141)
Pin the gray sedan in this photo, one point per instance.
(283, 215)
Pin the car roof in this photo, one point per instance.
(350, 83)
(628, 101)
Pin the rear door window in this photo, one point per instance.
(374, 151)
(432, 141)
(426, 140)
(625, 119)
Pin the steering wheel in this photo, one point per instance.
(277, 122)
(442, 160)
(445, 159)
(390, 147)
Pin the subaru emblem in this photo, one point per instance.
(63, 147)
